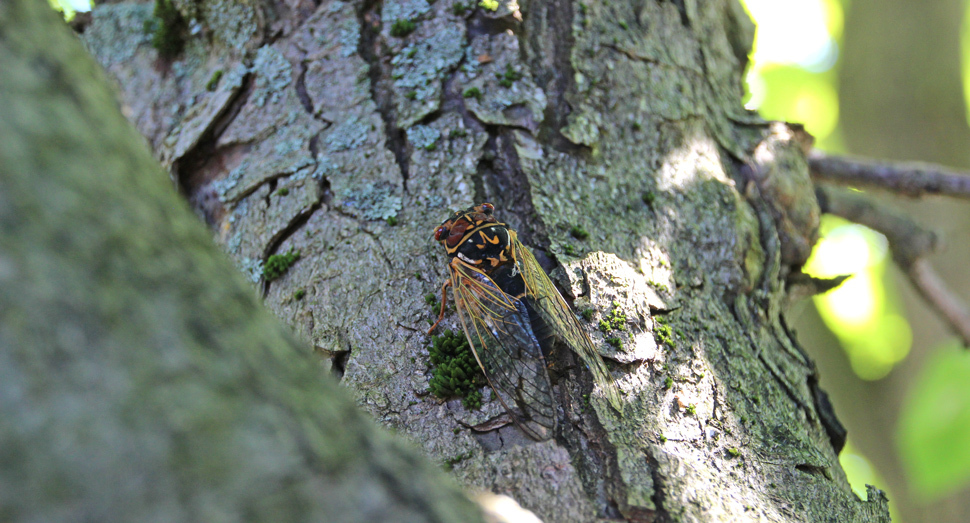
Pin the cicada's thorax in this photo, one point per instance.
(476, 238)
(485, 246)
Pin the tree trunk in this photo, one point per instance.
(347, 131)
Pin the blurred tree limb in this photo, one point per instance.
(140, 378)
(912, 179)
(909, 243)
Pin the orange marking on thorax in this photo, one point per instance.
(493, 241)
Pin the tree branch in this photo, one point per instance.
(934, 291)
(911, 179)
(909, 244)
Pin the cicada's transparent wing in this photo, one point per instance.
(500, 335)
(556, 312)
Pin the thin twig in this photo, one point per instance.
(935, 291)
(909, 244)
(910, 179)
(907, 239)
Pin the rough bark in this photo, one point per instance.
(140, 379)
(622, 118)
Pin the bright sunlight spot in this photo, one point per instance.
(71, 7)
(817, 107)
(870, 328)
(846, 249)
(855, 302)
(791, 76)
(965, 58)
(858, 470)
(794, 32)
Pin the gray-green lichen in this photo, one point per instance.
(252, 268)
(582, 128)
(503, 95)
(233, 78)
(372, 201)
(273, 75)
(418, 70)
(235, 24)
(423, 136)
(442, 174)
(200, 117)
(224, 187)
(117, 31)
(325, 167)
(348, 134)
(348, 35)
(395, 10)
(288, 156)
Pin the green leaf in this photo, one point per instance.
(934, 426)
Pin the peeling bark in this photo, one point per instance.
(622, 118)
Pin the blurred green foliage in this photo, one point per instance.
(934, 425)
(794, 94)
(791, 80)
(865, 312)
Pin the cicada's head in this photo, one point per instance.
(475, 237)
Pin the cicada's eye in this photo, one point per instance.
(441, 233)
(488, 208)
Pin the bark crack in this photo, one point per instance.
(189, 174)
(371, 49)
(295, 224)
(554, 74)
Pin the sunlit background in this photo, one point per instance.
(793, 76)
(71, 7)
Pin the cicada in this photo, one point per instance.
(510, 312)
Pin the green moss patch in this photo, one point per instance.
(663, 333)
(432, 300)
(278, 264)
(402, 28)
(579, 232)
(455, 373)
(168, 29)
(509, 77)
(614, 321)
(214, 80)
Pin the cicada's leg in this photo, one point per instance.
(444, 300)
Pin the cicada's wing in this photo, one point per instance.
(556, 312)
(498, 330)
